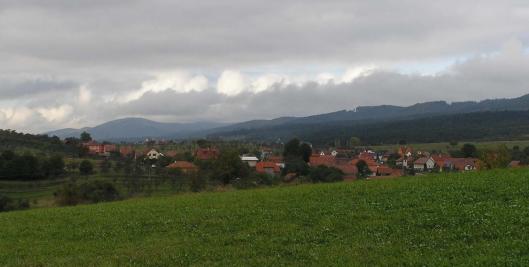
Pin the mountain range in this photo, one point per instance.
(138, 128)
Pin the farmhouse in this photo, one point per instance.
(268, 167)
(153, 154)
(206, 153)
(184, 166)
(424, 164)
(250, 160)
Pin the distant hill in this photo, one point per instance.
(487, 125)
(138, 128)
(135, 128)
(371, 114)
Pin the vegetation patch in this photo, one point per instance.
(479, 219)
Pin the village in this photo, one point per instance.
(270, 160)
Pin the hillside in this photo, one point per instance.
(386, 112)
(135, 128)
(499, 125)
(478, 219)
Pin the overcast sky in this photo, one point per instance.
(67, 63)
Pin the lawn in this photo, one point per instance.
(457, 219)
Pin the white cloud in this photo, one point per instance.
(85, 96)
(178, 81)
(231, 82)
(56, 114)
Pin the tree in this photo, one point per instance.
(86, 137)
(325, 174)
(498, 158)
(86, 167)
(295, 149)
(53, 166)
(305, 152)
(105, 166)
(354, 142)
(291, 148)
(229, 166)
(469, 151)
(363, 169)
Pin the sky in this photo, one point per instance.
(79, 63)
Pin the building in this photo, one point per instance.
(250, 160)
(153, 154)
(126, 151)
(184, 166)
(207, 153)
(268, 167)
(424, 164)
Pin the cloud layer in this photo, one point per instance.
(72, 64)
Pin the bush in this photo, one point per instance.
(91, 192)
(324, 174)
(8, 204)
(86, 167)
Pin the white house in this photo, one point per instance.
(424, 164)
(250, 160)
(153, 154)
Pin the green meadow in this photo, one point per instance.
(477, 219)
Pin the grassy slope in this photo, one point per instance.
(472, 219)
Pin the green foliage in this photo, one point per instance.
(469, 151)
(86, 137)
(363, 169)
(498, 158)
(29, 167)
(105, 165)
(354, 142)
(8, 204)
(86, 167)
(295, 165)
(228, 166)
(470, 219)
(90, 192)
(324, 174)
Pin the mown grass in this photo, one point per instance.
(477, 219)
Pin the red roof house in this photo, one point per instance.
(207, 153)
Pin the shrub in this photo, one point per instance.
(86, 167)
(8, 204)
(325, 174)
(91, 192)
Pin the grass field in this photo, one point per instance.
(458, 219)
(446, 147)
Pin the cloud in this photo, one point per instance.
(70, 64)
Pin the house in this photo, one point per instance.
(109, 148)
(442, 161)
(268, 167)
(94, 148)
(318, 159)
(424, 164)
(350, 172)
(402, 162)
(184, 166)
(207, 153)
(514, 164)
(126, 150)
(277, 160)
(250, 160)
(153, 154)
(464, 164)
(405, 151)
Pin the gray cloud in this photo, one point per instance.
(98, 52)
